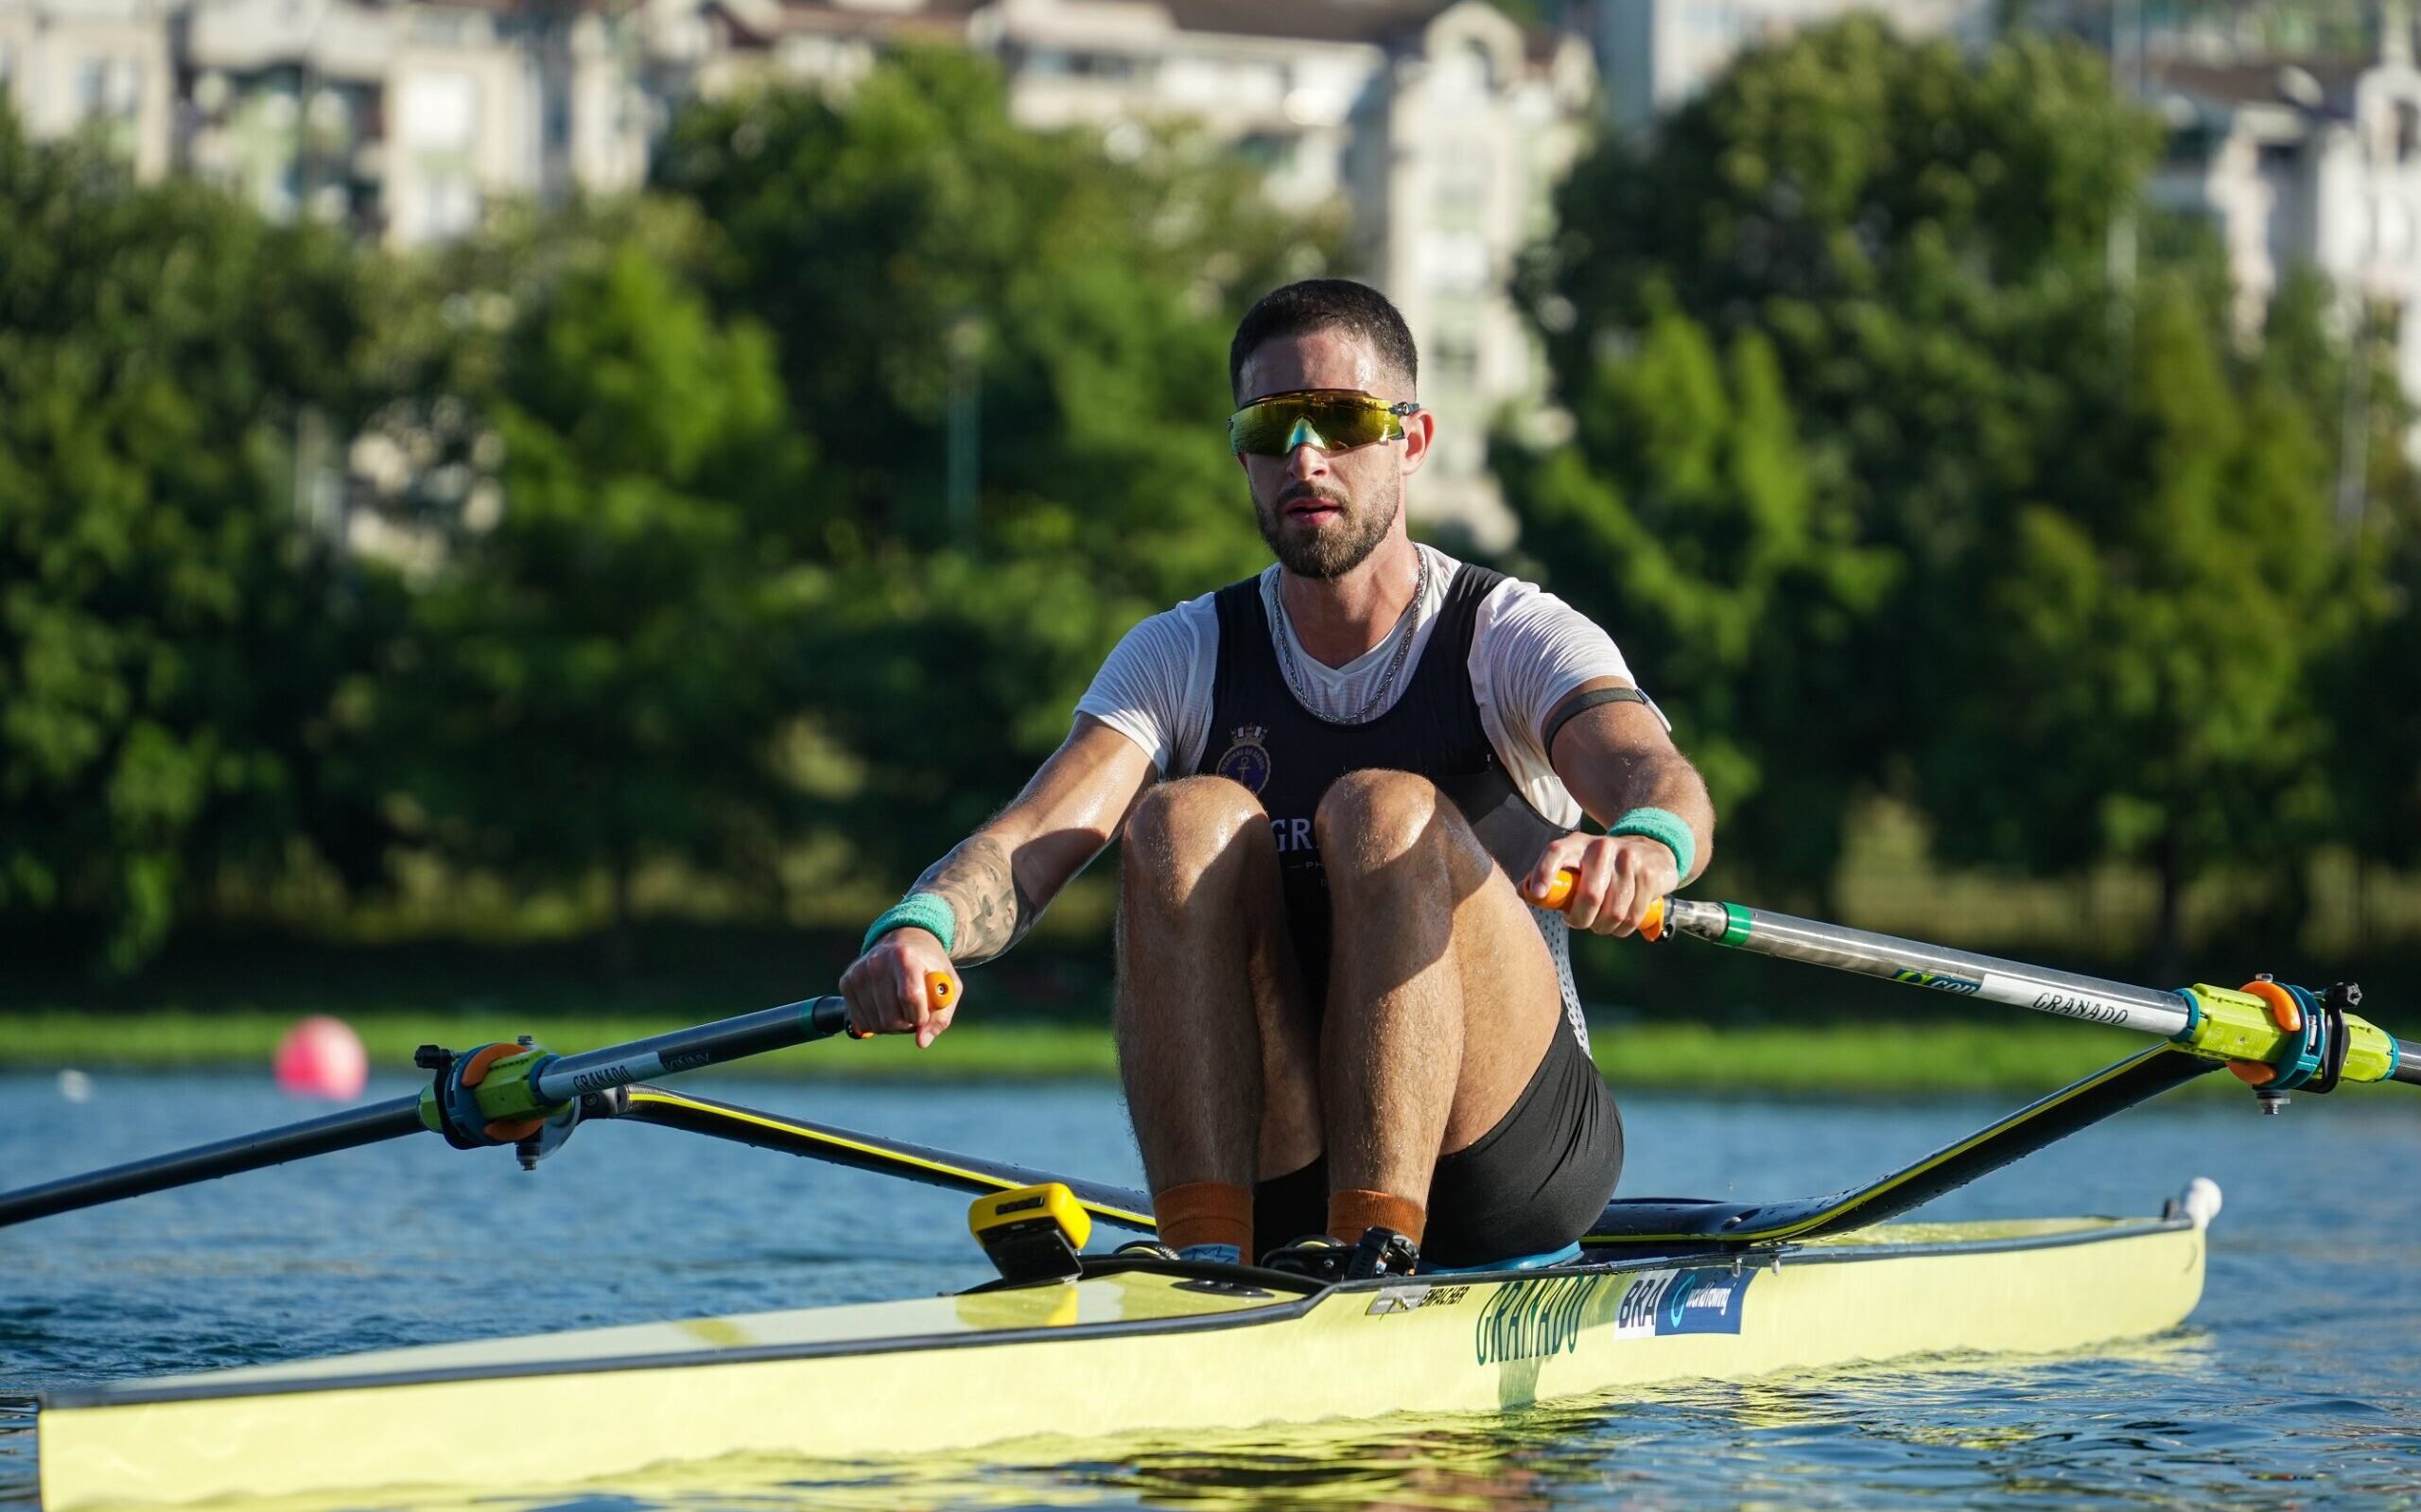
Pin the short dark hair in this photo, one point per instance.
(1325, 304)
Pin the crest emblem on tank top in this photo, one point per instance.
(1247, 760)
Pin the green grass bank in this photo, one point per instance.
(1888, 1058)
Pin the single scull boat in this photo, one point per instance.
(1069, 1343)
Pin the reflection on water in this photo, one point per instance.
(2293, 1389)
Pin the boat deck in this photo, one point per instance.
(1132, 1346)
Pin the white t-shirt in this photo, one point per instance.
(1530, 651)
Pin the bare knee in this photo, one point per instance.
(1369, 819)
(1185, 833)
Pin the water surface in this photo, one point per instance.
(2293, 1386)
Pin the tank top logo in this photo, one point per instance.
(1247, 760)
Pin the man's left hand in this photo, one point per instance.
(1617, 878)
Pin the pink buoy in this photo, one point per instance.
(323, 1057)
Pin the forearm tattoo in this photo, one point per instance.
(981, 887)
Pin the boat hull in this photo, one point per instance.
(1124, 1351)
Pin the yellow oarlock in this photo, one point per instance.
(1032, 1233)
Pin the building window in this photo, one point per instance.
(1719, 23)
(1455, 359)
(439, 112)
(108, 89)
(1269, 151)
(450, 208)
(1453, 262)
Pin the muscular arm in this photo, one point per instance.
(1619, 756)
(999, 879)
(1616, 758)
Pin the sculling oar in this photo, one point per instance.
(507, 1093)
(2310, 1040)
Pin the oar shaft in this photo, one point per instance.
(2148, 1010)
(347, 1130)
(686, 1049)
(563, 1080)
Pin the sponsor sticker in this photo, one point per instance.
(1938, 980)
(1681, 1301)
(2063, 1000)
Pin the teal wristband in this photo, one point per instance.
(1665, 826)
(923, 910)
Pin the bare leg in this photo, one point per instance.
(1441, 998)
(1214, 1039)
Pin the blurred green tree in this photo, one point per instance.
(2373, 688)
(182, 643)
(2135, 678)
(587, 687)
(1921, 244)
(1686, 511)
(1009, 347)
(2069, 562)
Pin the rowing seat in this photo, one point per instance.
(1568, 1255)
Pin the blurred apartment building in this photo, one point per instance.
(398, 119)
(2310, 163)
(1657, 54)
(1438, 126)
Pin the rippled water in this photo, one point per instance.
(2295, 1385)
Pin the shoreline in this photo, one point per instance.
(1634, 1052)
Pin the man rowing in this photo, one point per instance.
(1335, 783)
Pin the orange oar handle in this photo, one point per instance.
(1560, 894)
(941, 990)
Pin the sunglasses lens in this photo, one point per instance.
(1274, 426)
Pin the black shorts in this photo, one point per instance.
(1532, 1184)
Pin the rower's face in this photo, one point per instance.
(1323, 512)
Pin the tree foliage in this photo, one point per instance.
(180, 647)
(913, 249)
(2069, 569)
(586, 684)
(1687, 511)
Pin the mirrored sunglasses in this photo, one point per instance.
(1329, 419)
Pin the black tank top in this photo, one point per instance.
(1261, 736)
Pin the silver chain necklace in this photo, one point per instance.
(1401, 635)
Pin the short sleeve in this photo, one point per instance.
(1530, 651)
(1540, 649)
(1155, 686)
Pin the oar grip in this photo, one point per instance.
(941, 991)
(1560, 894)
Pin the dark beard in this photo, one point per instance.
(1330, 553)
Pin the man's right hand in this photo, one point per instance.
(886, 987)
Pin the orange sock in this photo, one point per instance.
(1349, 1212)
(1206, 1212)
